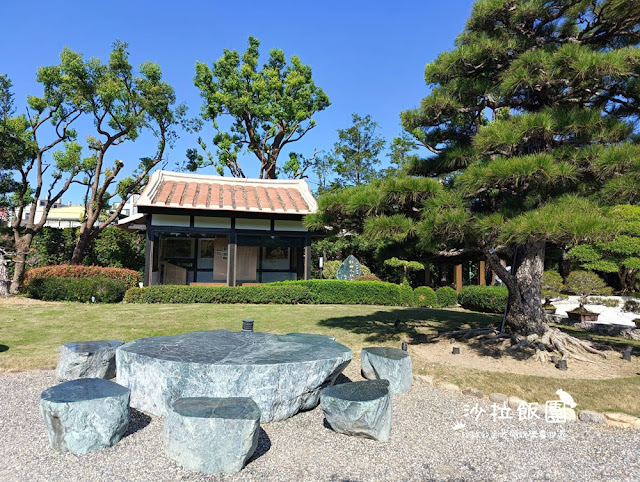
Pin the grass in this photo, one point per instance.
(31, 333)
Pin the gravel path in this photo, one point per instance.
(423, 445)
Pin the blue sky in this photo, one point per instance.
(368, 56)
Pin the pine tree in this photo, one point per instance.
(530, 126)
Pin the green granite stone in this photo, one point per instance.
(390, 364)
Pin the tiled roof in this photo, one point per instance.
(215, 193)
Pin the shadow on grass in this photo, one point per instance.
(416, 324)
(3, 348)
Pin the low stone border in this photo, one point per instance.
(612, 419)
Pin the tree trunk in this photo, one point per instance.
(85, 236)
(525, 315)
(564, 264)
(23, 244)
(270, 170)
(4, 276)
(628, 280)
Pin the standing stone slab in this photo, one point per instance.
(87, 359)
(390, 364)
(359, 408)
(212, 435)
(283, 374)
(85, 415)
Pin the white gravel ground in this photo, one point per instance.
(423, 445)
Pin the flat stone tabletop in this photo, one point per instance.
(283, 374)
(82, 390)
(239, 408)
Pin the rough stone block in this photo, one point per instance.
(385, 363)
(616, 419)
(359, 408)
(514, 402)
(473, 392)
(85, 415)
(283, 374)
(499, 398)
(212, 435)
(87, 359)
(591, 417)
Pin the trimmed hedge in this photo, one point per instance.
(425, 297)
(341, 292)
(128, 277)
(487, 299)
(104, 290)
(284, 292)
(447, 296)
(219, 294)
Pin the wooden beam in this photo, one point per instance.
(457, 277)
(481, 273)
(231, 264)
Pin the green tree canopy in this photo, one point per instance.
(530, 127)
(270, 108)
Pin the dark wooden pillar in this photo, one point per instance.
(148, 254)
(457, 277)
(427, 275)
(307, 258)
(481, 273)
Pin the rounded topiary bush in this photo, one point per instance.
(84, 290)
(487, 299)
(447, 296)
(425, 297)
(367, 277)
(585, 283)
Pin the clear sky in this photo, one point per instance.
(368, 56)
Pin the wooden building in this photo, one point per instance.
(223, 231)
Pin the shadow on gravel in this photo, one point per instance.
(137, 421)
(3, 348)
(264, 444)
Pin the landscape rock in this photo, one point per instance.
(212, 435)
(499, 398)
(85, 415)
(87, 359)
(448, 386)
(386, 363)
(616, 419)
(569, 414)
(473, 392)
(514, 402)
(359, 408)
(427, 379)
(591, 417)
(283, 374)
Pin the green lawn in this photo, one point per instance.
(30, 334)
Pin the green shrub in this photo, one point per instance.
(552, 284)
(487, 299)
(129, 277)
(104, 290)
(585, 283)
(447, 296)
(608, 302)
(425, 296)
(631, 306)
(367, 277)
(342, 292)
(266, 294)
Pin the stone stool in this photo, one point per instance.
(212, 435)
(359, 408)
(87, 359)
(85, 415)
(390, 364)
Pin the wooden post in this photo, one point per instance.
(427, 275)
(231, 264)
(307, 257)
(481, 274)
(148, 255)
(457, 277)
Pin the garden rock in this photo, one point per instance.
(212, 435)
(591, 417)
(283, 374)
(515, 402)
(85, 415)
(616, 419)
(498, 398)
(473, 392)
(87, 359)
(390, 364)
(359, 408)
(450, 387)
(569, 414)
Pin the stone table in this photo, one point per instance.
(85, 415)
(87, 359)
(393, 364)
(283, 374)
(212, 435)
(359, 408)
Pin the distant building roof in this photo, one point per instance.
(215, 193)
